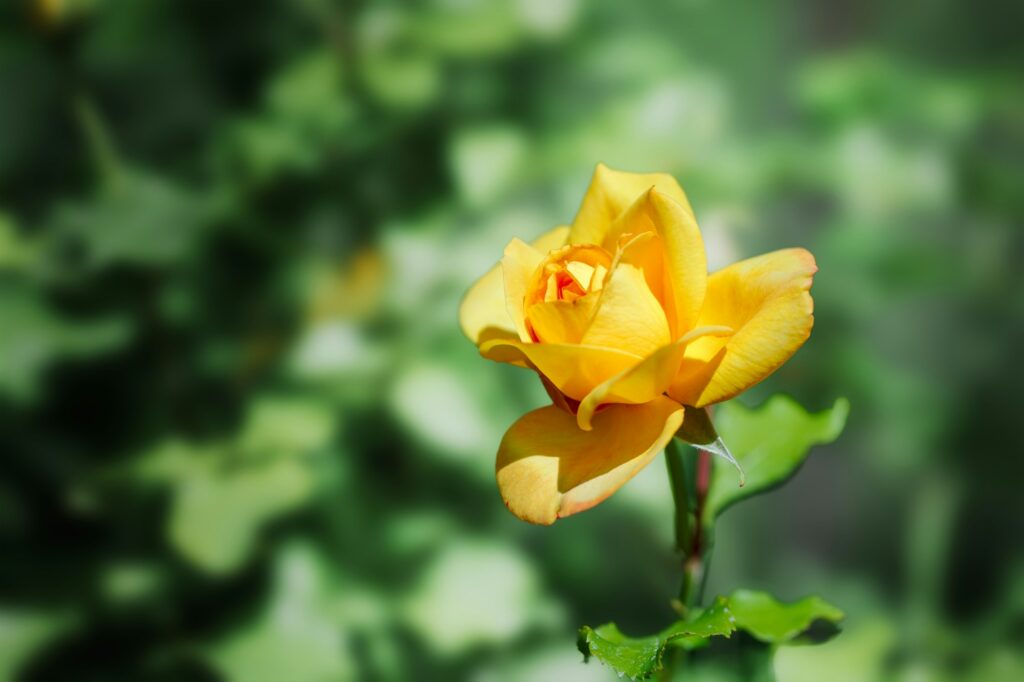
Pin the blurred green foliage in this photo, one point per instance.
(243, 438)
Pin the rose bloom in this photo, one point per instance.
(618, 316)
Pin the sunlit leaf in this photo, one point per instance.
(756, 613)
(769, 443)
(775, 622)
(139, 219)
(23, 633)
(476, 594)
(860, 654)
(296, 638)
(217, 514)
(277, 426)
(33, 337)
(639, 657)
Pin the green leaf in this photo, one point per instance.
(35, 337)
(775, 622)
(299, 636)
(139, 219)
(218, 513)
(640, 657)
(769, 443)
(225, 492)
(24, 633)
(756, 613)
(444, 608)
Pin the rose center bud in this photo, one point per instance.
(563, 292)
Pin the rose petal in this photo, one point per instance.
(483, 313)
(644, 381)
(610, 193)
(767, 301)
(548, 468)
(575, 370)
(682, 250)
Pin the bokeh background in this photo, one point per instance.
(242, 438)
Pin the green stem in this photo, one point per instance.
(689, 532)
(695, 565)
(689, 528)
(98, 139)
(680, 492)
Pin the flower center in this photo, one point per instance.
(558, 301)
(569, 273)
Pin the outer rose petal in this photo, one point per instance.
(685, 263)
(767, 301)
(574, 370)
(644, 381)
(548, 468)
(610, 193)
(483, 313)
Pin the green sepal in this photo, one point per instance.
(699, 431)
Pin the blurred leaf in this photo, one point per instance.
(308, 94)
(549, 19)
(770, 443)
(486, 161)
(469, 28)
(217, 514)
(22, 634)
(33, 337)
(224, 493)
(639, 657)
(277, 425)
(1004, 663)
(306, 114)
(774, 622)
(860, 654)
(475, 594)
(435, 403)
(296, 638)
(131, 582)
(136, 218)
(402, 81)
(17, 253)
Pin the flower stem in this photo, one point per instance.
(689, 530)
(690, 540)
(680, 492)
(695, 564)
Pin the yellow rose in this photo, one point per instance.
(619, 317)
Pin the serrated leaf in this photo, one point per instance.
(775, 622)
(640, 657)
(769, 443)
(757, 613)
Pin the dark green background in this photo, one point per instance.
(242, 438)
